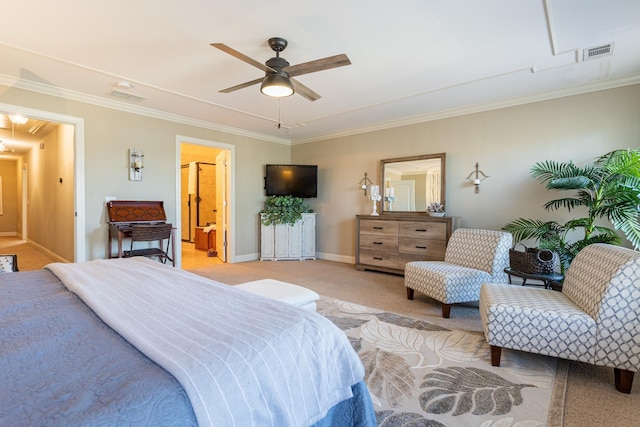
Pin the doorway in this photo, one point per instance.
(67, 242)
(204, 202)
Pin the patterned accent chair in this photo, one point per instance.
(8, 263)
(595, 319)
(472, 258)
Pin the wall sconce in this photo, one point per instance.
(478, 179)
(364, 183)
(136, 164)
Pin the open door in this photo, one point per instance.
(221, 204)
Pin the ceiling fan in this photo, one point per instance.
(278, 81)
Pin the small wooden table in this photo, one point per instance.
(547, 279)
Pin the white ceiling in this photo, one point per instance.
(412, 60)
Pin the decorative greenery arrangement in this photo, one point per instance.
(609, 188)
(283, 210)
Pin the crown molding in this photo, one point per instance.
(134, 109)
(576, 90)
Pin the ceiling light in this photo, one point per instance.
(277, 85)
(18, 119)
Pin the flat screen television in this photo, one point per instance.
(291, 180)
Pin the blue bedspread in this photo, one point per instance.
(61, 365)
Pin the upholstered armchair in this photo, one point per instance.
(595, 319)
(8, 263)
(472, 258)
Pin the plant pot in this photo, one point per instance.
(436, 214)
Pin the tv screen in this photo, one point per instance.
(291, 180)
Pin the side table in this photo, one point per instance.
(547, 279)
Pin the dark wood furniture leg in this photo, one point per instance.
(446, 310)
(409, 293)
(623, 379)
(495, 355)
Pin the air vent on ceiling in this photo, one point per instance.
(597, 52)
(124, 95)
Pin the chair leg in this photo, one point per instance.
(446, 310)
(409, 293)
(496, 352)
(623, 379)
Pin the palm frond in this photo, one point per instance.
(576, 182)
(567, 202)
(523, 228)
(631, 229)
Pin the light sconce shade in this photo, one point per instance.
(136, 164)
(364, 183)
(478, 176)
(277, 86)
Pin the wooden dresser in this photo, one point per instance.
(388, 242)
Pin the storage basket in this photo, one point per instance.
(532, 260)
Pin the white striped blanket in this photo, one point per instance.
(244, 360)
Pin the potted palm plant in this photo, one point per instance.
(608, 188)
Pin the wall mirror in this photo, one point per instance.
(410, 184)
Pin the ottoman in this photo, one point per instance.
(282, 291)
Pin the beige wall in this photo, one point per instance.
(505, 143)
(108, 136)
(9, 174)
(50, 196)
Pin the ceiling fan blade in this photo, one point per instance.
(223, 47)
(242, 85)
(305, 91)
(318, 65)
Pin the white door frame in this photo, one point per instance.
(79, 231)
(231, 223)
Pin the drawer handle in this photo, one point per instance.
(421, 247)
(378, 243)
(377, 258)
(423, 230)
(378, 228)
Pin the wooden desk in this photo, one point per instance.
(120, 233)
(546, 279)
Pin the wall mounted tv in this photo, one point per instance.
(291, 180)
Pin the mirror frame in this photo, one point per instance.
(441, 156)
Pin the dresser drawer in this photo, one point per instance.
(423, 230)
(378, 258)
(374, 226)
(428, 249)
(379, 242)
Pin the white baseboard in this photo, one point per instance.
(338, 258)
(56, 257)
(319, 255)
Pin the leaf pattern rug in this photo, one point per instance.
(420, 374)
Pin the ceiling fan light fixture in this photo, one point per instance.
(277, 86)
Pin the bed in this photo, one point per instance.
(136, 342)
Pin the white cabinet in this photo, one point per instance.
(284, 241)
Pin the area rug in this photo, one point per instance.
(420, 374)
